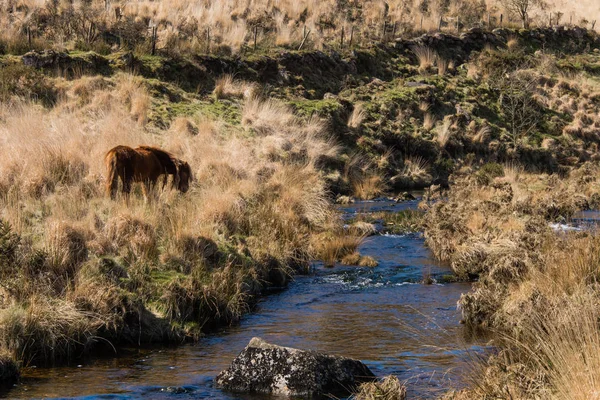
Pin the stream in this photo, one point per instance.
(383, 316)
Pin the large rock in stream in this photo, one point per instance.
(270, 369)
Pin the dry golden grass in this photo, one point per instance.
(341, 246)
(537, 290)
(444, 132)
(551, 331)
(442, 65)
(389, 388)
(429, 121)
(199, 258)
(369, 186)
(228, 26)
(228, 87)
(426, 58)
(357, 117)
(361, 176)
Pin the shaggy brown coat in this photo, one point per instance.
(144, 164)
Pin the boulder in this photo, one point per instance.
(270, 369)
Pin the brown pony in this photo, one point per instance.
(144, 164)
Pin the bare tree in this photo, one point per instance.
(518, 105)
(522, 8)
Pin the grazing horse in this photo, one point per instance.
(144, 164)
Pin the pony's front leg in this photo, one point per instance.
(149, 191)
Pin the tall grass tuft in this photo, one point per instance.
(389, 388)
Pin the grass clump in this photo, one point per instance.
(228, 87)
(335, 247)
(488, 172)
(404, 221)
(26, 83)
(389, 388)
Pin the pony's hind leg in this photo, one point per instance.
(126, 189)
(113, 182)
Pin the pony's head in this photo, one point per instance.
(183, 176)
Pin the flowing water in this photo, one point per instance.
(384, 316)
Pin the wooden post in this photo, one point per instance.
(394, 31)
(255, 36)
(29, 37)
(440, 24)
(352, 35)
(304, 39)
(457, 24)
(342, 39)
(208, 40)
(501, 19)
(571, 20)
(384, 30)
(489, 21)
(118, 13)
(421, 23)
(154, 37)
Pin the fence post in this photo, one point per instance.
(458, 24)
(29, 36)
(489, 21)
(255, 36)
(501, 19)
(342, 38)
(384, 30)
(352, 35)
(421, 22)
(440, 24)
(208, 40)
(154, 37)
(394, 31)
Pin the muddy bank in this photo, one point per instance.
(316, 72)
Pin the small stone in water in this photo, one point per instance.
(174, 389)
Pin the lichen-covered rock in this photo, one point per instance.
(270, 369)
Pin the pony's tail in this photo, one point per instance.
(112, 179)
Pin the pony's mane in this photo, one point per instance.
(165, 158)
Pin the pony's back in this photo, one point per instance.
(166, 159)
